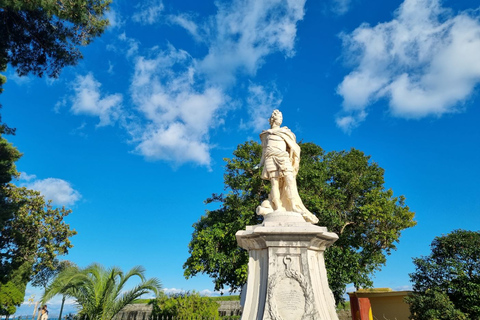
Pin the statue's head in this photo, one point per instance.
(276, 118)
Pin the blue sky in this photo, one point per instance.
(132, 138)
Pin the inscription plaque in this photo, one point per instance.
(290, 299)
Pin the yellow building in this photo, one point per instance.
(379, 304)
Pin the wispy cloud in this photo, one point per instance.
(59, 191)
(89, 100)
(178, 108)
(27, 177)
(261, 102)
(148, 12)
(340, 7)
(245, 32)
(178, 99)
(424, 62)
(187, 22)
(115, 19)
(182, 98)
(132, 45)
(18, 80)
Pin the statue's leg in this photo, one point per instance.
(275, 194)
(290, 189)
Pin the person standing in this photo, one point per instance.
(44, 315)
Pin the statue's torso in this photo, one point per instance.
(275, 141)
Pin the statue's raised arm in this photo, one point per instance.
(281, 161)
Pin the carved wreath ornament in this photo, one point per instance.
(309, 309)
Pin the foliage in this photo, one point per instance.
(71, 316)
(35, 235)
(185, 306)
(346, 191)
(10, 297)
(343, 306)
(100, 292)
(32, 239)
(12, 289)
(47, 274)
(226, 298)
(446, 283)
(44, 36)
(8, 156)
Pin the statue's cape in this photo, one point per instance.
(289, 137)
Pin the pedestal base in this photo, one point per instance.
(287, 279)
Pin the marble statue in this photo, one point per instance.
(280, 161)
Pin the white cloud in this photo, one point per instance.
(27, 177)
(424, 62)
(183, 98)
(185, 21)
(179, 108)
(245, 32)
(349, 122)
(261, 102)
(148, 12)
(87, 99)
(407, 287)
(19, 80)
(132, 45)
(59, 191)
(179, 99)
(114, 19)
(341, 7)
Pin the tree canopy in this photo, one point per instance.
(44, 36)
(99, 292)
(12, 289)
(344, 189)
(36, 234)
(31, 239)
(446, 283)
(8, 156)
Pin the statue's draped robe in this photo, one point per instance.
(283, 162)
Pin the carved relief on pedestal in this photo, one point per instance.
(290, 296)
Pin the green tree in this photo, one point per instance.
(8, 156)
(185, 306)
(10, 298)
(46, 275)
(33, 238)
(12, 290)
(446, 283)
(344, 189)
(44, 36)
(100, 292)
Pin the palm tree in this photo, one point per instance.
(98, 291)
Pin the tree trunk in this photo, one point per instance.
(61, 308)
(35, 310)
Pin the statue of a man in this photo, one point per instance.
(280, 161)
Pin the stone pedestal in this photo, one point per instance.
(287, 279)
